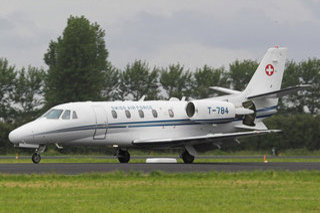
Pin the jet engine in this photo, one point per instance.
(221, 111)
(203, 110)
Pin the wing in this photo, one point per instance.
(199, 139)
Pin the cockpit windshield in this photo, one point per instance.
(53, 114)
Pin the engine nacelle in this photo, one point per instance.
(206, 111)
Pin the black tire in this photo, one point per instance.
(36, 158)
(187, 158)
(123, 156)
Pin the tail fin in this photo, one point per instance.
(266, 80)
(268, 76)
(263, 91)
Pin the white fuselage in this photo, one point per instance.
(96, 125)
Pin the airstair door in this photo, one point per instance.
(101, 123)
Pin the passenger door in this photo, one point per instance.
(101, 123)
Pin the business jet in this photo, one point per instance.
(186, 126)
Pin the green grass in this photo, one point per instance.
(159, 192)
(88, 159)
(255, 160)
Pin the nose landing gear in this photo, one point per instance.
(36, 156)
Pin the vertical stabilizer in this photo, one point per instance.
(268, 76)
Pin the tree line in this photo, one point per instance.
(79, 70)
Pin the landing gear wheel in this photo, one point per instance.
(36, 158)
(123, 156)
(186, 157)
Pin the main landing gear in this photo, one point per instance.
(36, 156)
(123, 156)
(187, 157)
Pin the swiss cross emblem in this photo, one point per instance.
(269, 69)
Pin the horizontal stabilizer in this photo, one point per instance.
(225, 90)
(280, 93)
(217, 136)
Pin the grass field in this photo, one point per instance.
(158, 192)
(90, 159)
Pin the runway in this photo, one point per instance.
(82, 168)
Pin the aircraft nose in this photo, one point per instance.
(21, 135)
(14, 136)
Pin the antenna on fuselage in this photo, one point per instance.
(142, 98)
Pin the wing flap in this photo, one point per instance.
(215, 136)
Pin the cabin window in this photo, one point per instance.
(141, 113)
(171, 114)
(154, 113)
(66, 115)
(74, 115)
(128, 114)
(54, 114)
(114, 114)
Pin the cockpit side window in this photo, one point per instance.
(74, 115)
(66, 115)
(53, 114)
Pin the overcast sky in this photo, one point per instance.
(161, 32)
